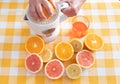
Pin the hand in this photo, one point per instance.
(35, 8)
(74, 7)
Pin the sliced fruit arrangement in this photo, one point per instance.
(54, 69)
(85, 58)
(64, 50)
(77, 44)
(46, 55)
(33, 63)
(35, 44)
(93, 42)
(73, 71)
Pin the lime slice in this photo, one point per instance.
(77, 44)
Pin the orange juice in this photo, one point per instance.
(80, 26)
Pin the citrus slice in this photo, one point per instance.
(77, 44)
(85, 58)
(45, 10)
(64, 50)
(46, 55)
(73, 71)
(33, 63)
(93, 42)
(34, 44)
(54, 69)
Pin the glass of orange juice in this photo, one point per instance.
(80, 25)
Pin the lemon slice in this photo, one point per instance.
(73, 71)
(46, 55)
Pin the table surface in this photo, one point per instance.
(104, 20)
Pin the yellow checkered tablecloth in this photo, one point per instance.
(104, 20)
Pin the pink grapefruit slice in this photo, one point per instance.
(85, 58)
(54, 69)
(33, 63)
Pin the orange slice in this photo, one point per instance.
(93, 42)
(77, 44)
(46, 55)
(64, 50)
(73, 71)
(34, 44)
(45, 11)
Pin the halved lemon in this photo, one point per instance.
(73, 71)
(46, 55)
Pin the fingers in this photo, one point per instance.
(70, 11)
(66, 11)
(46, 5)
(33, 12)
(36, 10)
(40, 11)
(53, 3)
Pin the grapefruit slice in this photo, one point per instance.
(85, 58)
(33, 63)
(93, 42)
(77, 44)
(35, 44)
(73, 71)
(64, 50)
(46, 55)
(54, 69)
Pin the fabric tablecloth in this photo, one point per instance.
(104, 20)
